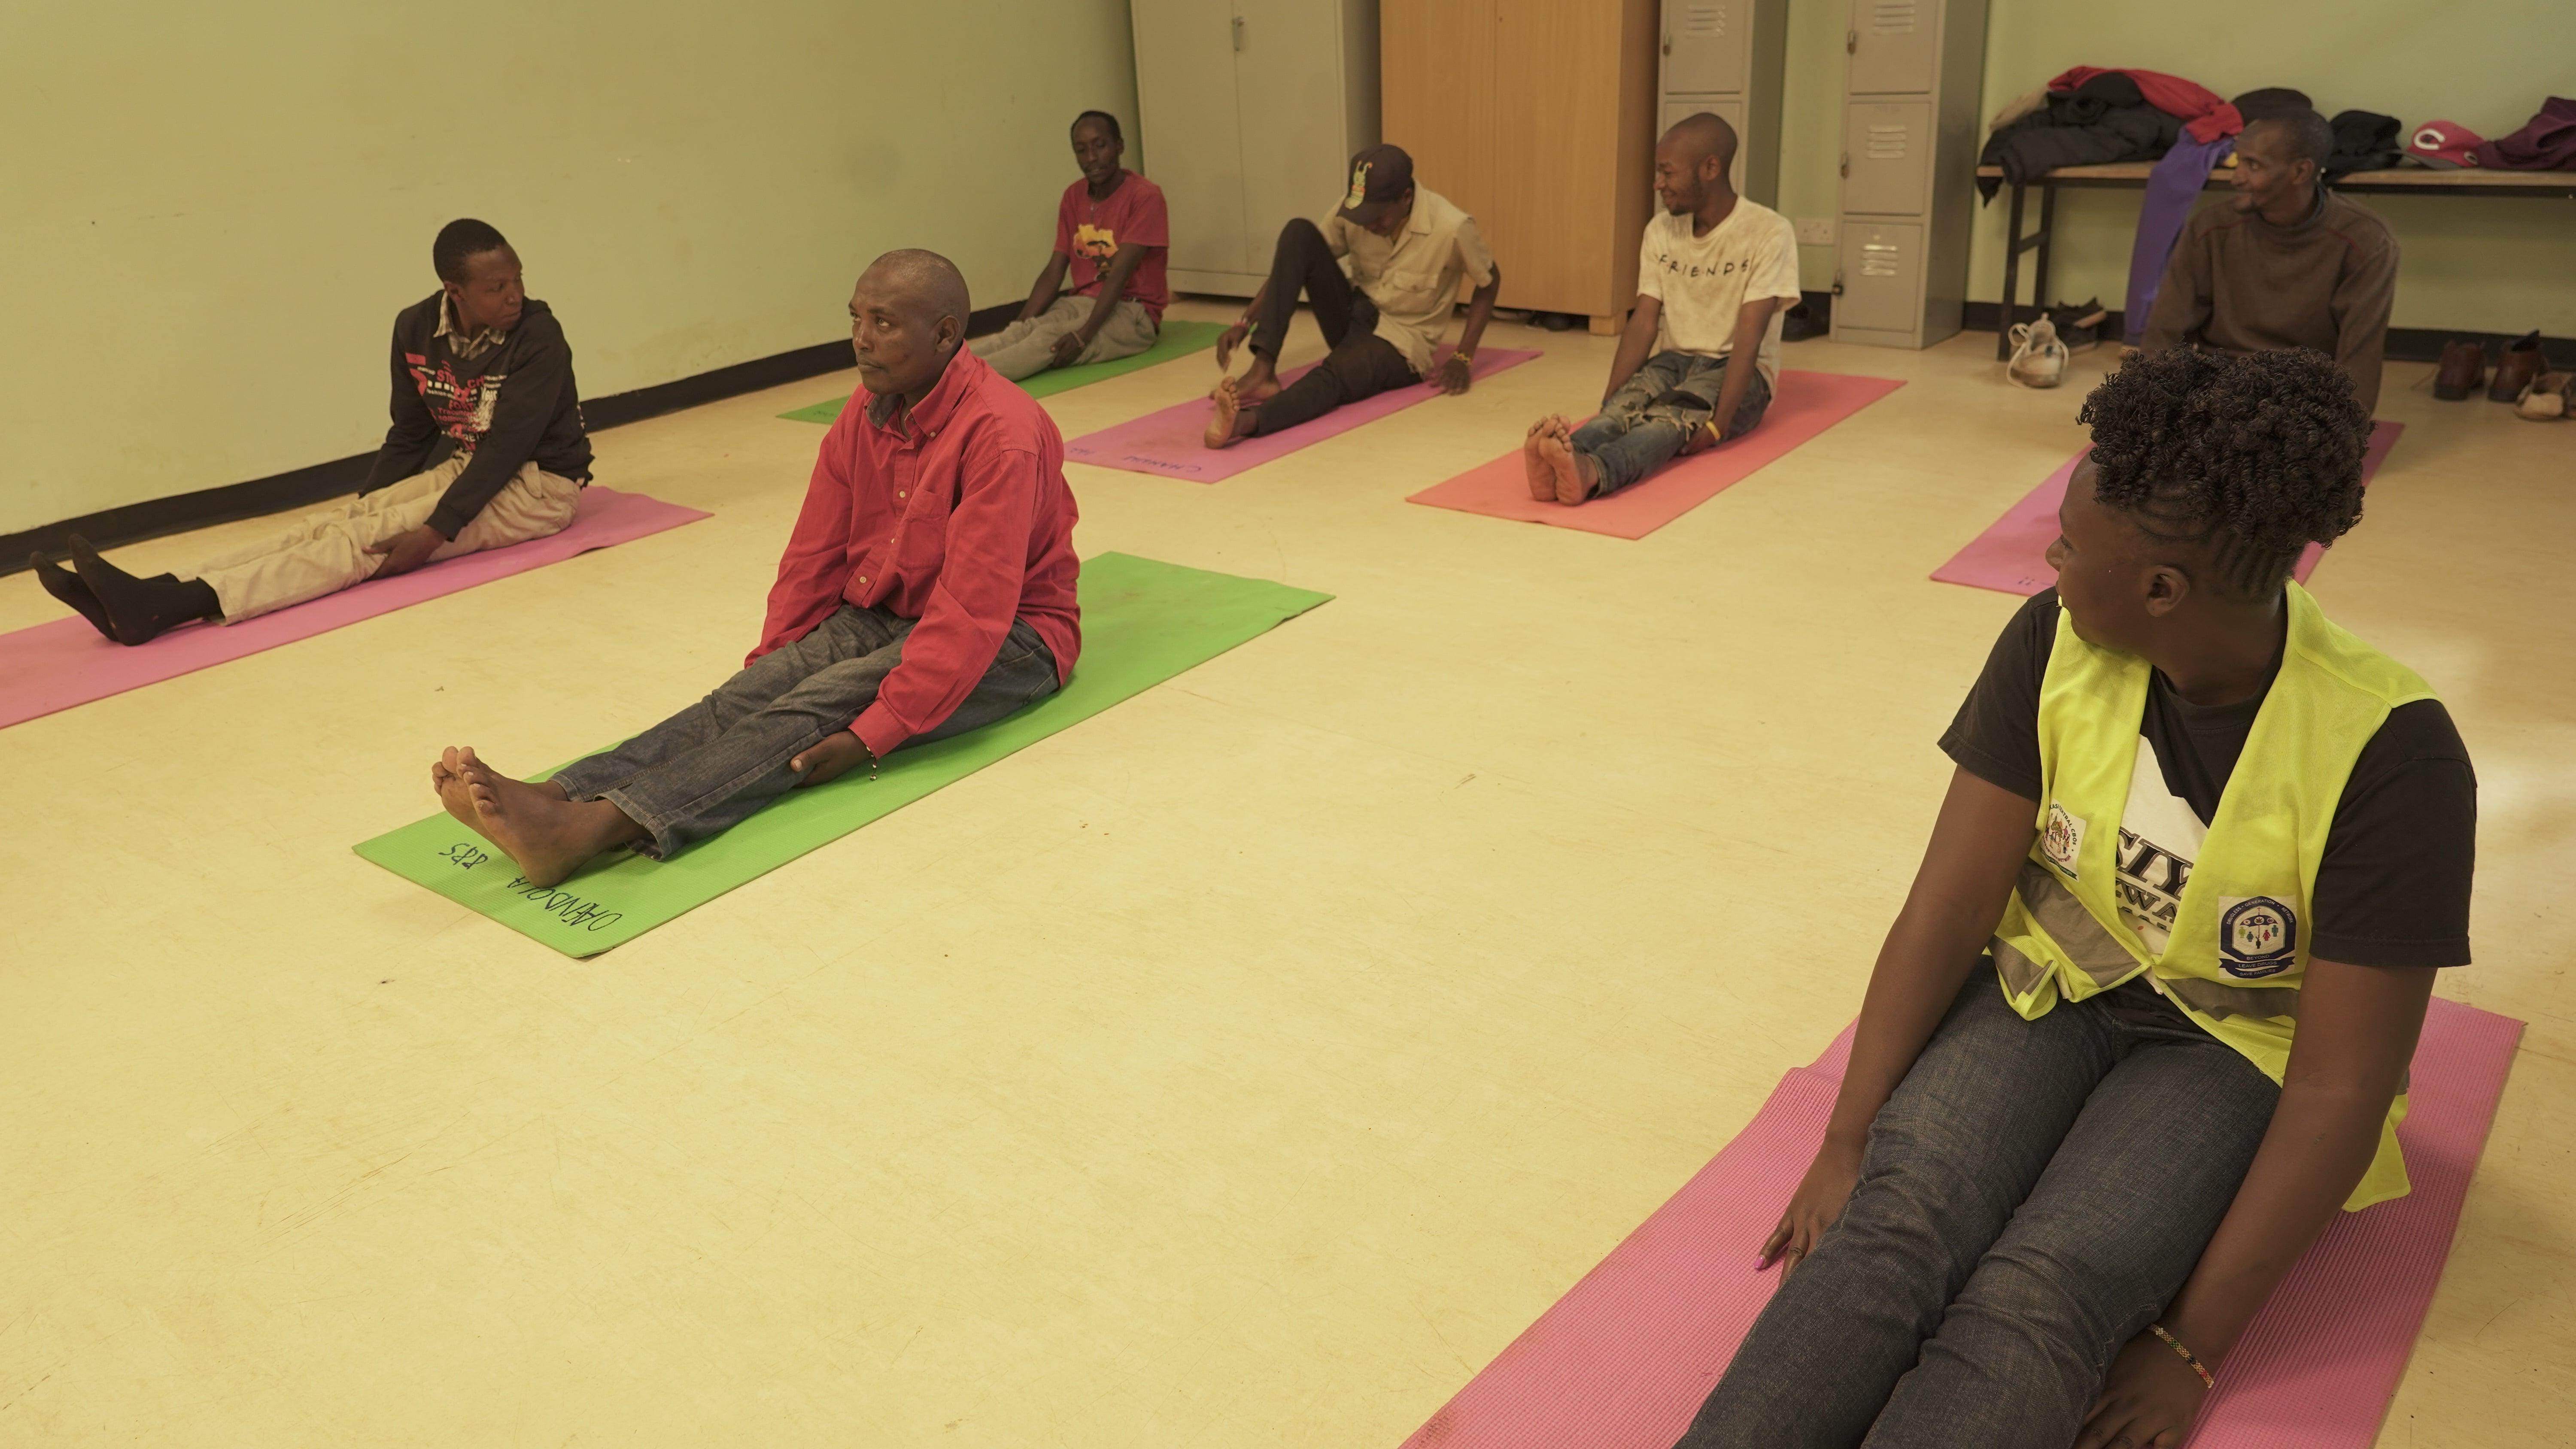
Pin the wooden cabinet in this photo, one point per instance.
(1537, 117)
(1727, 57)
(1248, 112)
(1909, 159)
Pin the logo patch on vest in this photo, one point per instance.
(2257, 936)
(2062, 839)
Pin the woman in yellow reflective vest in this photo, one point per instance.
(2142, 1027)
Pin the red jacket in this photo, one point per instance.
(2207, 116)
(958, 517)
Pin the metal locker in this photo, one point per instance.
(1882, 277)
(1705, 44)
(1894, 45)
(1887, 157)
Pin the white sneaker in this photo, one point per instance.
(2038, 359)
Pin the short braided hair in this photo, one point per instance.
(2252, 457)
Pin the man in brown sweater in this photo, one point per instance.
(2285, 263)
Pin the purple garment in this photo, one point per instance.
(2548, 143)
(2172, 190)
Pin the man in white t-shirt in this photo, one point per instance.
(1712, 278)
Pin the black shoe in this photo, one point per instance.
(1557, 321)
(141, 610)
(1799, 324)
(2079, 327)
(66, 587)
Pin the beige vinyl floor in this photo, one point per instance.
(1244, 1066)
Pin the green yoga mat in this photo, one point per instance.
(1178, 339)
(1142, 623)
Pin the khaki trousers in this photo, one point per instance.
(1025, 349)
(326, 551)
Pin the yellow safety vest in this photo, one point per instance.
(2239, 944)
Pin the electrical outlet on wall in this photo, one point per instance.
(1815, 231)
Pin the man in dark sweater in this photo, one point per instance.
(2285, 263)
(486, 449)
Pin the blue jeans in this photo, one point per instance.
(715, 764)
(1661, 407)
(2031, 1198)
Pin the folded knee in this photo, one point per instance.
(1300, 229)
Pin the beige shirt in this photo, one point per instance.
(1413, 278)
(1703, 282)
(466, 348)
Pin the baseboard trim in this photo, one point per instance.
(306, 486)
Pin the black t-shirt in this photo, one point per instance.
(2393, 887)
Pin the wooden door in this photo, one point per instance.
(1185, 99)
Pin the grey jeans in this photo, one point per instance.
(1025, 349)
(715, 764)
(2031, 1198)
(1661, 407)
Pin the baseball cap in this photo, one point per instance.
(2445, 144)
(1379, 177)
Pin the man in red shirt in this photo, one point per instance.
(1110, 233)
(928, 590)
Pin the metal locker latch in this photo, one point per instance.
(1238, 32)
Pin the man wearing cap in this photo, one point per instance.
(1407, 247)
(2286, 263)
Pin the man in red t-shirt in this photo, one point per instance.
(1110, 233)
(928, 590)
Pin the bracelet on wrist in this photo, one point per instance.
(2188, 1356)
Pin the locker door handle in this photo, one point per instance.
(1847, 164)
(1238, 32)
(1668, 42)
(1838, 282)
(1851, 42)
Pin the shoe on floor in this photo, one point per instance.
(2463, 369)
(2546, 398)
(2038, 358)
(2520, 363)
(2079, 326)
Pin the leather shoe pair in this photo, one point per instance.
(2521, 362)
(2464, 366)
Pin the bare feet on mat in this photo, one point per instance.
(1259, 383)
(1534, 465)
(1229, 420)
(533, 824)
(447, 776)
(1568, 467)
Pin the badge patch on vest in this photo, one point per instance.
(2257, 936)
(2062, 839)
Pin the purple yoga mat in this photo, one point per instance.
(1168, 443)
(2011, 556)
(64, 663)
(1625, 1357)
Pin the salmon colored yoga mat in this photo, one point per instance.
(1624, 1358)
(2012, 555)
(1168, 442)
(1807, 404)
(1177, 339)
(64, 663)
(1142, 622)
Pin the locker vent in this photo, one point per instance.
(1885, 143)
(1878, 259)
(1891, 17)
(1708, 19)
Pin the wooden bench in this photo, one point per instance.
(2403, 181)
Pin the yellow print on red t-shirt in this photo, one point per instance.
(1096, 242)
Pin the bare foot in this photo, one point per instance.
(547, 835)
(1567, 467)
(1534, 464)
(1259, 383)
(447, 777)
(1228, 420)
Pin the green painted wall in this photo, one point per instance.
(2496, 265)
(213, 212)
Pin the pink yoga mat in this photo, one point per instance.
(64, 663)
(1624, 1358)
(2012, 555)
(1168, 442)
(1807, 404)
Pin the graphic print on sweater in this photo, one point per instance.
(462, 407)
